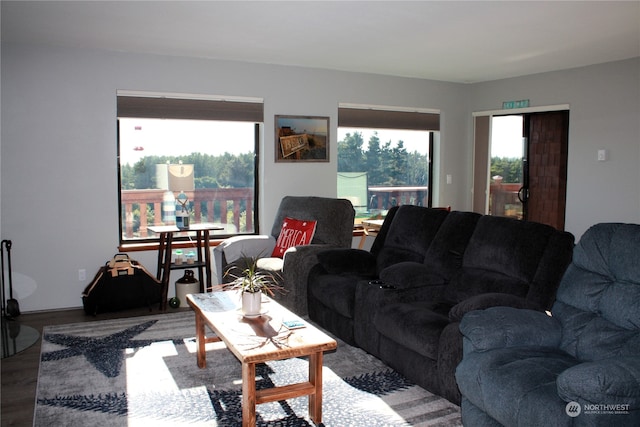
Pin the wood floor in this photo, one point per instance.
(20, 372)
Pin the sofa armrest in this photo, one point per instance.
(483, 301)
(615, 380)
(499, 327)
(406, 275)
(356, 261)
(236, 247)
(298, 262)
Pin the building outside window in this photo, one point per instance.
(384, 158)
(192, 157)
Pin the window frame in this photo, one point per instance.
(134, 104)
(374, 117)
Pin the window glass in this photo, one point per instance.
(212, 162)
(381, 168)
(506, 169)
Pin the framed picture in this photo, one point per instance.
(302, 139)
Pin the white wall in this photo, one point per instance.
(604, 114)
(59, 175)
(58, 147)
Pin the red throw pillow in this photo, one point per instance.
(294, 232)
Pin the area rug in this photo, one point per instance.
(142, 371)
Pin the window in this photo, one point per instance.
(384, 158)
(203, 150)
(506, 176)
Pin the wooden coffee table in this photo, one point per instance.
(258, 340)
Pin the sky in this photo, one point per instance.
(149, 137)
(156, 137)
(506, 137)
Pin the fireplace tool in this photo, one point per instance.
(12, 308)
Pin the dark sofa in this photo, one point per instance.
(402, 301)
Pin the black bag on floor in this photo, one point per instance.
(121, 284)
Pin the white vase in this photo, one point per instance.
(251, 303)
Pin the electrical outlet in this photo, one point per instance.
(82, 275)
(602, 155)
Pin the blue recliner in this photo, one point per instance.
(578, 367)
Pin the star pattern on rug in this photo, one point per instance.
(358, 389)
(186, 406)
(105, 353)
(110, 403)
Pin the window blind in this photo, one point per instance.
(195, 109)
(367, 117)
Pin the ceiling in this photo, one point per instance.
(456, 41)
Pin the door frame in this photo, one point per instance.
(481, 143)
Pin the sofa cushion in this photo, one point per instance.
(334, 218)
(409, 235)
(477, 281)
(588, 336)
(605, 249)
(605, 266)
(498, 327)
(413, 326)
(503, 255)
(611, 381)
(336, 292)
(271, 264)
(354, 261)
(480, 302)
(507, 246)
(515, 386)
(597, 301)
(405, 275)
(444, 256)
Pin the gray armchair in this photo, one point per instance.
(334, 229)
(578, 367)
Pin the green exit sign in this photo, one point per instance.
(522, 103)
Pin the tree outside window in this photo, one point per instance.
(385, 167)
(212, 162)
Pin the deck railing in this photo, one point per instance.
(503, 200)
(208, 205)
(384, 198)
(233, 207)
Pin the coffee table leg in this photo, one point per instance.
(315, 378)
(200, 341)
(248, 394)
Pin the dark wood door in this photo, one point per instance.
(548, 140)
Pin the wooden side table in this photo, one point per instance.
(371, 227)
(203, 262)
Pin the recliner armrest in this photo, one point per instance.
(407, 275)
(483, 301)
(615, 380)
(246, 246)
(357, 261)
(298, 262)
(236, 247)
(500, 327)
